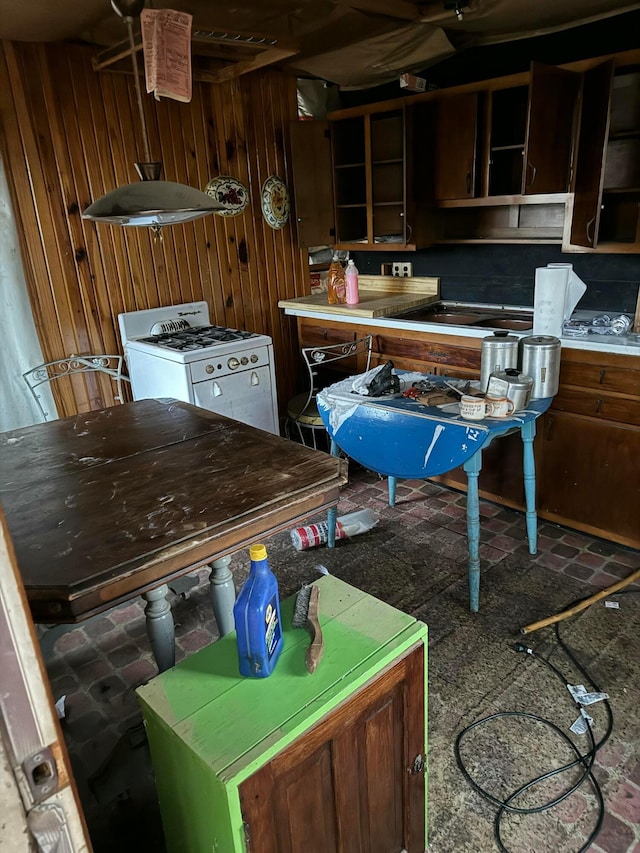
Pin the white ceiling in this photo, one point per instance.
(354, 44)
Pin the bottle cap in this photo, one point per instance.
(351, 263)
(258, 552)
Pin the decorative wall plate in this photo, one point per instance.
(275, 202)
(230, 192)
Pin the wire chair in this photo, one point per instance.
(323, 364)
(111, 365)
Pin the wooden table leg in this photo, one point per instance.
(528, 433)
(223, 594)
(160, 627)
(472, 469)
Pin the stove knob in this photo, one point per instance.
(209, 368)
(244, 360)
(233, 363)
(254, 358)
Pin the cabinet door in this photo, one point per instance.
(590, 475)
(388, 177)
(351, 180)
(456, 146)
(589, 162)
(312, 184)
(350, 785)
(550, 122)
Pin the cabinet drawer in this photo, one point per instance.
(428, 352)
(596, 377)
(608, 407)
(322, 336)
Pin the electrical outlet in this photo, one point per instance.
(401, 269)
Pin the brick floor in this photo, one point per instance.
(99, 664)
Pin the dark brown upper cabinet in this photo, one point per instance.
(607, 181)
(379, 187)
(457, 141)
(507, 140)
(313, 189)
(356, 184)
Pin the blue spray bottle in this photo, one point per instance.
(257, 618)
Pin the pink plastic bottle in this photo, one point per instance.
(351, 279)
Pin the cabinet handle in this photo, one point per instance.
(603, 373)
(534, 172)
(589, 224)
(598, 404)
(548, 429)
(469, 182)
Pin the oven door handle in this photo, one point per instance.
(255, 379)
(217, 390)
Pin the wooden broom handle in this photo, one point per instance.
(551, 620)
(315, 650)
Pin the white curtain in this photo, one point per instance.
(19, 346)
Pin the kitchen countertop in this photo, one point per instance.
(623, 344)
(380, 296)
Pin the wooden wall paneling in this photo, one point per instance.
(71, 135)
(99, 267)
(208, 254)
(129, 244)
(65, 97)
(188, 250)
(110, 264)
(54, 320)
(226, 134)
(94, 311)
(56, 86)
(284, 111)
(248, 254)
(301, 279)
(255, 245)
(265, 233)
(205, 260)
(218, 257)
(170, 247)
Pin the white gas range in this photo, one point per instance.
(175, 352)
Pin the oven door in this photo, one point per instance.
(244, 396)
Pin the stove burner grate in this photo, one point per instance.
(197, 338)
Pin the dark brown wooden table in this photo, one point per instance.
(112, 504)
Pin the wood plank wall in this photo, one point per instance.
(70, 134)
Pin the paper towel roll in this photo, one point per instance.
(575, 289)
(549, 297)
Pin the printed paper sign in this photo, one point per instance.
(166, 44)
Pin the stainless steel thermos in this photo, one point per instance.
(499, 351)
(541, 360)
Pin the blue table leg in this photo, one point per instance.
(472, 469)
(392, 490)
(528, 433)
(332, 514)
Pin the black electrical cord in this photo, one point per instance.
(586, 759)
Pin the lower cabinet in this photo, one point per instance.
(298, 763)
(590, 470)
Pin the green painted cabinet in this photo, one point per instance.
(334, 761)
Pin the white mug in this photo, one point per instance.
(476, 408)
(499, 407)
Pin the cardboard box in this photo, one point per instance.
(413, 83)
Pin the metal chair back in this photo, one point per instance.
(111, 365)
(350, 357)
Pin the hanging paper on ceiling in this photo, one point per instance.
(166, 45)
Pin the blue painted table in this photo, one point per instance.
(400, 437)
